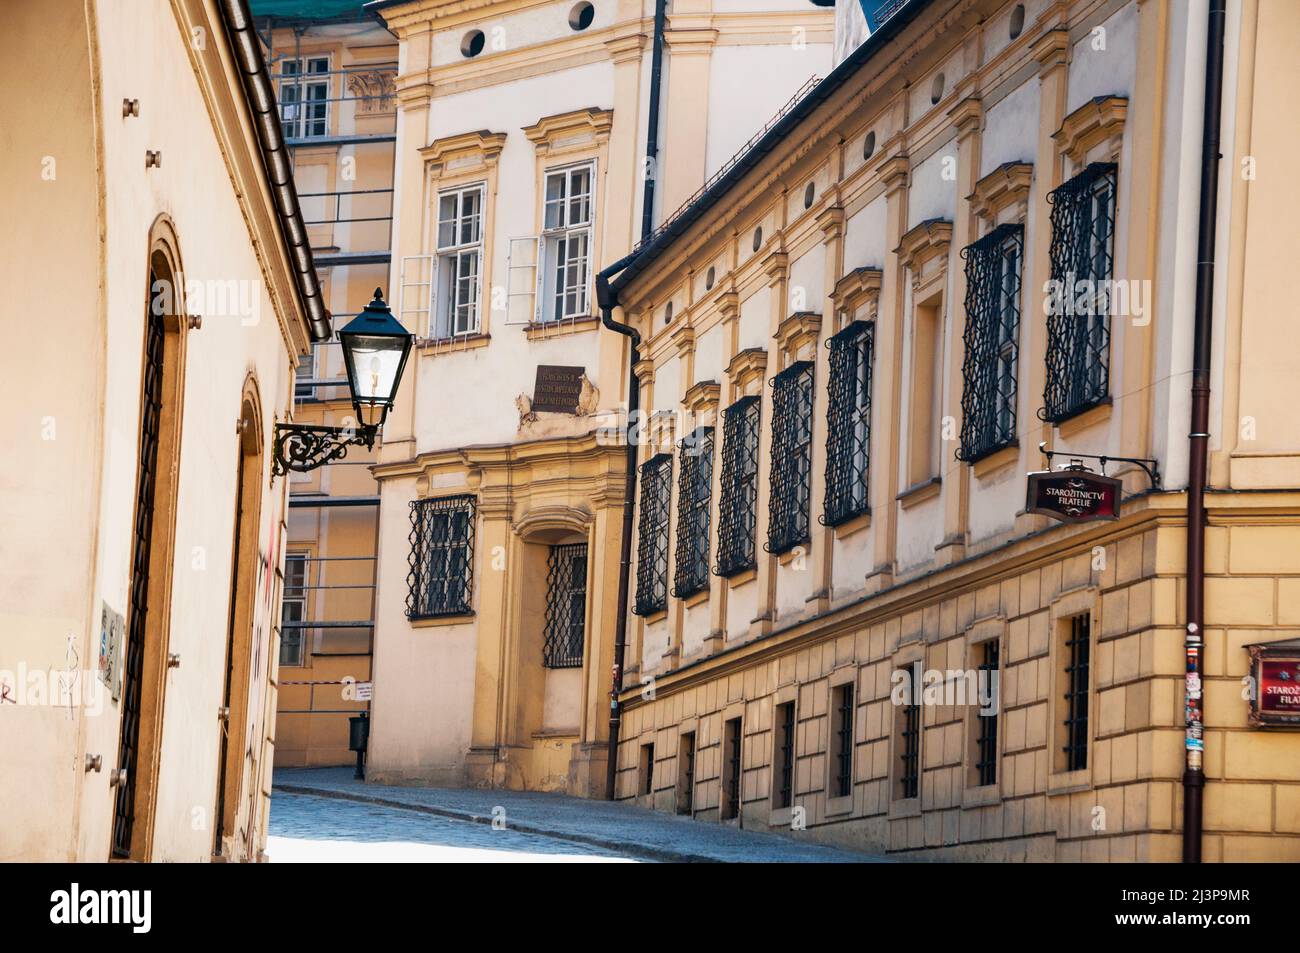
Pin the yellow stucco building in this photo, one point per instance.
(154, 229)
(979, 235)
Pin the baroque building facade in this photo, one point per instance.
(852, 348)
(522, 163)
(144, 530)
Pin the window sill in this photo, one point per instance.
(796, 550)
(658, 615)
(1081, 421)
(1069, 782)
(551, 329)
(838, 806)
(997, 460)
(695, 598)
(742, 577)
(434, 621)
(464, 342)
(905, 807)
(780, 816)
(853, 525)
(982, 795)
(920, 493)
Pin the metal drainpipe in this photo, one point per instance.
(607, 300)
(1198, 439)
(652, 121)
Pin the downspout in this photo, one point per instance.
(608, 299)
(1198, 439)
(652, 121)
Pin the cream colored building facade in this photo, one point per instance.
(520, 169)
(334, 66)
(143, 532)
(853, 255)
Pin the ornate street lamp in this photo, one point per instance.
(375, 348)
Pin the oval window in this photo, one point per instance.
(581, 15)
(472, 44)
(758, 238)
(808, 195)
(709, 276)
(1017, 20)
(869, 146)
(936, 89)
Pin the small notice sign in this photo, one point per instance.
(1275, 667)
(1074, 495)
(557, 388)
(365, 691)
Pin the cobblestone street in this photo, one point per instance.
(323, 815)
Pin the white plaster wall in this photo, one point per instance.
(756, 319)
(1011, 128)
(853, 558)
(807, 280)
(748, 84)
(934, 187)
(1108, 71)
(793, 585)
(708, 355)
(864, 237)
(668, 385)
(742, 606)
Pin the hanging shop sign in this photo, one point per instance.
(1074, 495)
(558, 388)
(1275, 679)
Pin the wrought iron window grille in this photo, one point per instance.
(737, 506)
(1078, 319)
(652, 535)
(732, 752)
(844, 741)
(1078, 647)
(992, 336)
(848, 432)
(791, 471)
(440, 581)
(910, 776)
(694, 497)
(785, 757)
(986, 740)
(566, 606)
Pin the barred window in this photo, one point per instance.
(652, 547)
(1078, 645)
(1078, 319)
(848, 437)
(986, 738)
(566, 606)
(792, 415)
(694, 496)
(988, 401)
(785, 755)
(739, 487)
(442, 557)
(842, 777)
(731, 769)
(909, 752)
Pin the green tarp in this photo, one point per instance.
(309, 9)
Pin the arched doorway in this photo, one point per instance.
(152, 545)
(229, 841)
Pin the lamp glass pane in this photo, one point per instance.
(375, 361)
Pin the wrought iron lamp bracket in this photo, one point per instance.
(304, 447)
(1148, 465)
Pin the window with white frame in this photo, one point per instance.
(455, 306)
(293, 615)
(566, 242)
(304, 97)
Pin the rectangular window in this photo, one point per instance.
(908, 745)
(986, 724)
(784, 762)
(1078, 319)
(459, 263)
(442, 557)
(566, 606)
(694, 497)
(652, 535)
(304, 97)
(306, 372)
(1078, 645)
(842, 767)
(686, 774)
(293, 611)
(792, 415)
(926, 381)
(567, 216)
(647, 772)
(737, 507)
(731, 769)
(848, 432)
(988, 401)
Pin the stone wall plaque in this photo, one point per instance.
(557, 389)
